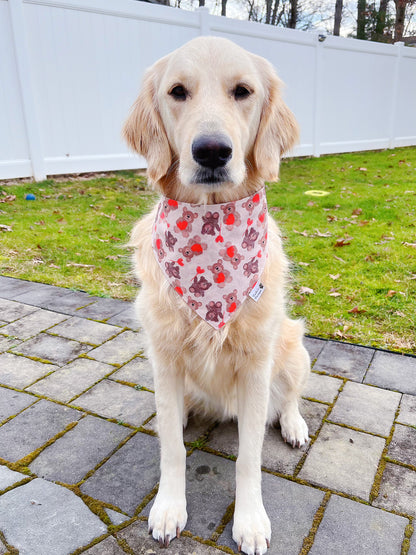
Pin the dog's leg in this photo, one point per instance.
(251, 529)
(168, 515)
(290, 372)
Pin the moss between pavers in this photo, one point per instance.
(319, 515)
(224, 521)
(10, 550)
(407, 535)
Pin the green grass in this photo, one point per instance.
(363, 233)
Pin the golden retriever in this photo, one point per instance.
(212, 125)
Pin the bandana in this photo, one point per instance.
(212, 255)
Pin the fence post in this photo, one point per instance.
(317, 96)
(393, 114)
(203, 20)
(26, 89)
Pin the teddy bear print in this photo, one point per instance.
(250, 203)
(169, 205)
(220, 274)
(199, 286)
(253, 282)
(193, 304)
(230, 254)
(263, 214)
(159, 250)
(214, 311)
(178, 287)
(263, 241)
(231, 217)
(250, 238)
(231, 301)
(211, 225)
(193, 248)
(170, 240)
(251, 267)
(184, 223)
(172, 270)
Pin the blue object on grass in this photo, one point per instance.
(30, 196)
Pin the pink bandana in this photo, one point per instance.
(212, 255)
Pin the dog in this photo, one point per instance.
(211, 122)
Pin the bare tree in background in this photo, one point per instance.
(293, 14)
(337, 17)
(224, 7)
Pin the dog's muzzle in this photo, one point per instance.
(211, 153)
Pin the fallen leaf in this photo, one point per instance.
(362, 169)
(304, 232)
(319, 234)
(343, 241)
(7, 198)
(391, 293)
(340, 259)
(400, 313)
(275, 208)
(306, 291)
(303, 263)
(77, 265)
(4, 227)
(311, 203)
(53, 266)
(363, 222)
(406, 244)
(331, 218)
(112, 257)
(334, 293)
(356, 310)
(336, 276)
(357, 211)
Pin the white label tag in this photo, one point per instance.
(257, 291)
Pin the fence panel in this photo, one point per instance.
(70, 70)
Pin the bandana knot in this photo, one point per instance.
(212, 255)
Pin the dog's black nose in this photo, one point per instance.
(212, 151)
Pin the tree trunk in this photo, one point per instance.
(338, 16)
(274, 15)
(268, 11)
(293, 15)
(381, 21)
(201, 3)
(224, 7)
(400, 14)
(361, 7)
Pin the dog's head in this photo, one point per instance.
(210, 114)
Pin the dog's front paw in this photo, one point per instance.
(294, 429)
(167, 518)
(252, 531)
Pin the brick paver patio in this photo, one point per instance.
(79, 456)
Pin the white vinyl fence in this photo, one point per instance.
(70, 70)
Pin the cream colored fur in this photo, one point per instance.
(254, 368)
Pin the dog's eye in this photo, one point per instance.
(241, 92)
(178, 92)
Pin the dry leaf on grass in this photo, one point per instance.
(77, 265)
(336, 276)
(306, 291)
(342, 241)
(406, 244)
(356, 310)
(391, 293)
(4, 227)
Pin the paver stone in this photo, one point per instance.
(42, 517)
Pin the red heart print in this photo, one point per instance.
(256, 197)
(162, 215)
(179, 290)
(196, 248)
(230, 252)
(232, 307)
(219, 239)
(173, 203)
(182, 224)
(158, 243)
(200, 270)
(180, 261)
(249, 221)
(262, 216)
(259, 254)
(230, 219)
(220, 278)
(221, 324)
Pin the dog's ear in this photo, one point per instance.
(278, 130)
(144, 130)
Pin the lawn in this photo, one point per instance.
(353, 250)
